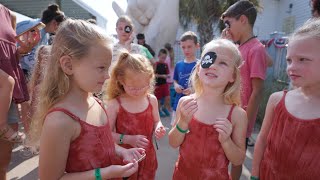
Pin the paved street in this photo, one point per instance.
(25, 167)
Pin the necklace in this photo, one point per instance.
(247, 41)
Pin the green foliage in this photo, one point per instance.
(204, 13)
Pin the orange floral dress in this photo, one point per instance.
(141, 123)
(93, 148)
(201, 155)
(293, 147)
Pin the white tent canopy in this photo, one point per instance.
(21, 17)
(102, 10)
(94, 9)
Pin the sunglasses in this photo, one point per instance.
(227, 24)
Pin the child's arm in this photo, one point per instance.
(112, 108)
(57, 133)
(164, 76)
(261, 142)
(255, 98)
(129, 155)
(232, 135)
(269, 60)
(134, 140)
(177, 87)
(187, 106)
(160, 131)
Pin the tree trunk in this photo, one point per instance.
(205, 30)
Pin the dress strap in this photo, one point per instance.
(118, 100)
(230, 112)
(282, 100)
(65, 111)
(101, 104)
(285, 93)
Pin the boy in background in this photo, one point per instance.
(183, 69)
(162, 87)
(239, 19)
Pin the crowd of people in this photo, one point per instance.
(212, 101)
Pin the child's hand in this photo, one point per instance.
(132, 155)
(28, 41)
(139, 141)
(187, 109)
(119, 171)
(186, 91)
(178, 88)
(224, 127)
(127, 44)
(160, 131)
(225, 34)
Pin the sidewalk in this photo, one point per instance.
(26, 167)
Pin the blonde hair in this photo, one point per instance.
(74, 38)
(134, 62)
(231, 93)
(125, 19)
(309, 29)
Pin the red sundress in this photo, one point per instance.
(93, 148)
(201, 155)
(293, 147)
(141, 123)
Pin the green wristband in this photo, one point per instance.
(97, 174)
(181, 130)
(254, 178)
(121, 139)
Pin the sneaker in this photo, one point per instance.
(162, 114)
(166, 112)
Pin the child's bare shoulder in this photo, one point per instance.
(59, 120)
(112, 104)
(153, 99)
(275, 98)
(238, 113)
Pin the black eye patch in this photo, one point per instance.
(127, 29)
(227, 24)
(208, 59)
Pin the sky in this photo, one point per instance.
(104, 8)
(111, 15)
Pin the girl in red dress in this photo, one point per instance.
(76, 141)
(133, 110)
(288, 144)
(210, 127)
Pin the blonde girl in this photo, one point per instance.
(72, 126)
(125, 32)
(210, 126)
(133, 110)
(288, 144)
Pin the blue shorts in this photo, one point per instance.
(13, 115)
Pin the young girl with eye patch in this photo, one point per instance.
(125, 32)
(133, 110)
(211, 127)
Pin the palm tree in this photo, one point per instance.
(204, 13)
